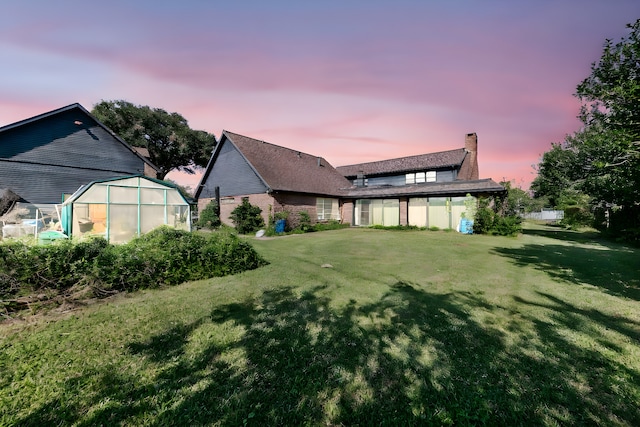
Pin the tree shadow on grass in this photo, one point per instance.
(614, 269)
(561, 233)
(411, 358)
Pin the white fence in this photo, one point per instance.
(545, 215)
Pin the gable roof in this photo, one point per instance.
(282, 169)
(422, 162)
(80, 109)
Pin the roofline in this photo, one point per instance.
(405, 157)
(214, 157)
(80, 191)
(361, 192)
(85, 111)
(266, 184)
(42, 116)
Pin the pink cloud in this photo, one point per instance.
(339, 80)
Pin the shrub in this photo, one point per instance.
(507, 225)
(576, 217)
(28, 268)
(208, 217)
(164, 256)
(490, 218)
(247, 218)
(304, 221)
(332, 224)
(483, 221)
(396, 227)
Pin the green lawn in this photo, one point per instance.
(404, 328)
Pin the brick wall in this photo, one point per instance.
(228, 204)
(290, 202)
(346, 211)
(404, 211)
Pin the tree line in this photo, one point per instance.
(594, 174)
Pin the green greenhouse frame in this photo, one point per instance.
(120, 209)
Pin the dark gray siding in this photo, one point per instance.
(232, 174)
(43, 184)
(395, 180)
(57, 140)
(43, 159)
(387, 180)
(445, 176)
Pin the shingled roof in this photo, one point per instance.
(425, 162)
(284, 169)
(461, 188)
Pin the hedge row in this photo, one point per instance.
(164, 256)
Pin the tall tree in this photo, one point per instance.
(557, 171)
(610, 139)
(610, 94)
(602, 160)
(171, 143)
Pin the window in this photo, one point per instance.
(327, 209)
(420, 177)
(377, 212)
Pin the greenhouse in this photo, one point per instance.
(120, 209)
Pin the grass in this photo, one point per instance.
(403, 328)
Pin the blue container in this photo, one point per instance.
(280, 225)
(466, 226)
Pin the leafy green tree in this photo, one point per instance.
(171, 143)
(610, 94)
(577, 209)
(557, 170)
(601, 161)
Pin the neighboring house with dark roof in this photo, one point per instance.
(424, 190)
(53, 154)
(272, 177)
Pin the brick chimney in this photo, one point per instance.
(469, 168)
(471, 142)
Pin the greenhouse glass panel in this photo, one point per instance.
(152, 196)
(180, 215)
(80, 217)
(130, 182)
(175, 198)
(123, 223)
(94, 194)
(151, 217)
(123, 195)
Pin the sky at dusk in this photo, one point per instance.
(351, 81)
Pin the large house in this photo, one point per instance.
(428, 190)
